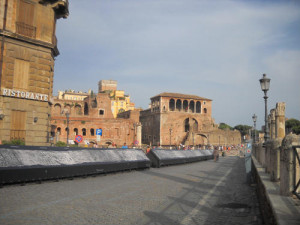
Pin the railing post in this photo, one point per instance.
(287, 164)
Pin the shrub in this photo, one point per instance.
(60, 144)
(14, 142)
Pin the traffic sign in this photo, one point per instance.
(78, 138)
(98, 138)
(99, 132)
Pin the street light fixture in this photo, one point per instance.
(254, 117)
(265, 85)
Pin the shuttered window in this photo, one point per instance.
(21, 75)
(18, 123)
(25, 24)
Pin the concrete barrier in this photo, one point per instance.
(163, 157)
(29, 163)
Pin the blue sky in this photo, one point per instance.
(214, 49)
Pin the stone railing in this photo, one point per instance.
(281, 160)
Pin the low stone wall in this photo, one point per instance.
(162, 157)
(276, 208)
(28, 163)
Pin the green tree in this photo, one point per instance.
(244, 129)
(292, 125)
(224, 126)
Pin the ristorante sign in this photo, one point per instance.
(24, 94)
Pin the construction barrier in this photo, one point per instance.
(20, 164)
(164, 157)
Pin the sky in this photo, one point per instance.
(214, 49)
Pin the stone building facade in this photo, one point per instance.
(175, 119)
(119, 101)
(84, 117)
(27, 54)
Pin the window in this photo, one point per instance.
(198, 107)
(172, 105)
(75, 131)
(205, 110)
(101, 112)
(83, 132)
(25, 23)
(21, 75)
(92, 132)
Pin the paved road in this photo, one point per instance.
(205, 192)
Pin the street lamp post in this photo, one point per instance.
(68, 116)
(265, 85)
(170, 136)
(254, 117)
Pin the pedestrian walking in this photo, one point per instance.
(216, 154)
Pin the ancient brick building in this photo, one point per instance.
(175, 119)
(83, 117)
(28, 48)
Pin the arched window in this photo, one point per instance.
(67, 108)
(83, 132)
(172, 105)
(86, 109)
(101, 112)
(198, 107)
(66, 129)
(75, 131)
(205, 110)
(185, 105)
(192, 106)
(58, 131)
(57, 109)
(92, 132)
(178, 105)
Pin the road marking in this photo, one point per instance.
(203, 201)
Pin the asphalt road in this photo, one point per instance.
(205, 192)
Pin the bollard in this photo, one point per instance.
(248, 152)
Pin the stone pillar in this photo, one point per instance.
(275, 160)
(280, 120)
(272, 127)
(139, 133)
(287, 162)
(269, 125)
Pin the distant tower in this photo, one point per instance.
(107, 85)
(27, 52)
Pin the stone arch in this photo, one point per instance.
(172, 105)
(178, 105)
(198, 107)
(185, 105)
(57, 109)
(192, 106)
